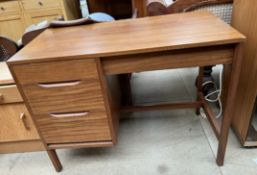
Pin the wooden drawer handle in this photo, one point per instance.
(23, 119)
(67, 115)
(56, 85)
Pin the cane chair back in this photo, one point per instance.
(7, 48)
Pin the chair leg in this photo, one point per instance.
(55, 160)
(199, 82)
(230, 101)
(125, 86)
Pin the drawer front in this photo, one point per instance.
(9, 94)
(56, 72)
(82, 95)
(16, 124)
(8, 7)
(66, 100)
(34, 17)
(64, 86)
(40, 4)
(74, 127)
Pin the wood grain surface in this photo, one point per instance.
(149, 34)
(168, 60)
(81, 145)
(244, 20)
(66, 100)
(20, 147)
(57, 71)
(41, 4)
(9, 94)
(91, 128)
(86, 96)
(12, 127)
(61, 60)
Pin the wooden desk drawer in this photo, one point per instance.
(40, 4)
(66, 100)
(71, 96)
(9, 94)
(8, 7)
(15, 128)
(56, 72)
(74, 127)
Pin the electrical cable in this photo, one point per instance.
(218, 92)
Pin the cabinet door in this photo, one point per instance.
(35, 17)
(16, 124)
(12, 26)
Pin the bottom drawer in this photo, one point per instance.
(74, 127)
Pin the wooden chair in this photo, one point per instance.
(34, 30)
(30, 35)
(160, 7)
(7, 48)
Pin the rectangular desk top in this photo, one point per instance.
(131, 36)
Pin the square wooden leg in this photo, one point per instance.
(55, 160)
(229, 105)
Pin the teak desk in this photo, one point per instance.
(67, 75)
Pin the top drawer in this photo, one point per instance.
(8, 7)
(56, 72)
(40, 4)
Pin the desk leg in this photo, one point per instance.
(230, 99)
(55, 160)
(199, 82)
